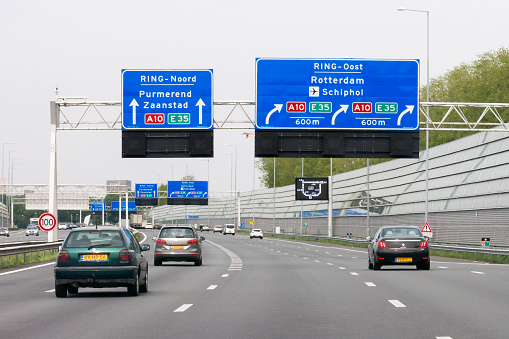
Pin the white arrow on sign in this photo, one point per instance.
(343, 108)
(277, 107)
(134, 103)
(409, 108)
(200, 105)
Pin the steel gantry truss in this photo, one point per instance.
(80, 114)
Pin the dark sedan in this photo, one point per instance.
(398, 245)
(101, 257)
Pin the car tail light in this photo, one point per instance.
(193, 242)
(124, 256)
(63, 256)
(382, 244)
(161, 241)
(423, 244)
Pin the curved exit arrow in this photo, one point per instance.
(277, 107)
(409, 108)
(343, 108)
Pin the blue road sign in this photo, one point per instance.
(167, 99)
(145, 191)
(188, 189)
(337, 94)
(98, 206)
(131, 206)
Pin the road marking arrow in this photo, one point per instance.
(200, 108)
(277, 107)
(409, 108)
(134, 104)
(343, 108)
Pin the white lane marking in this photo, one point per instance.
(327, 253)
(443, 267)
(330, 264)
(28, 268)
(278, 251)
(182, 308)
(475, 272)
(444, 337)
(354, 257)
(212, 287)
(317, 260)
(305, 258)
(225, 276)
(235, 269)
(342, 268)
(49, 291)
(340, 255)
(397, 303)
(370, 284)
(354, 273)
(235, 261)
(286, 253)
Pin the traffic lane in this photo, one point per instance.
(170, 286)
(408, 288)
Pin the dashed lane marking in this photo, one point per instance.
(183, 308)
(397, 303)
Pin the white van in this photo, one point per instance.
(229, 229)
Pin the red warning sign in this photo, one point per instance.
(426, 230)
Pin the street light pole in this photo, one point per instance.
(235, 187)
(5, 187)
(427, 108)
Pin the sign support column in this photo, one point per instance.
(53, 207)
(330, 208)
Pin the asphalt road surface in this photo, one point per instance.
(266, 288)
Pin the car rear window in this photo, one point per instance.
(86, 239)
(257, 230)
(401, 232)
(177, 233)
(229, 226)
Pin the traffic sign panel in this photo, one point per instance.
(339, 94)
(47, 222)
(167, 99)
(144, 191)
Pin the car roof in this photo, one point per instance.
(100, 228)
(400, 226)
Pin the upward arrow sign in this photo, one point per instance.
(200, 105)
(134, 104)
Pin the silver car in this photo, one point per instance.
(32, 230)
(178, 243)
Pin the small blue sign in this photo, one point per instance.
(167, 99)
(242, 224)
(131, 206)
(145, 191)
(97, 206)
(188, 189)
(337, 94)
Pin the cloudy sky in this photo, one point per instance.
(81, 47)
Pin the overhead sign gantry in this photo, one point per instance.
(336, 95)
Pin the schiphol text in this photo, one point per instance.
(343, 92)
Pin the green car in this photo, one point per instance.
(101, 257)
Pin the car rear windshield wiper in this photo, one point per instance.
(100, 245)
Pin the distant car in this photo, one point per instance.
(256, 233)
(217, 228)
(205, 228)
(398, 245)
(101, 257)
(149, 225)
(62, 226)
(32, 230)
(4, 231)
(178, 243)
(229, 229)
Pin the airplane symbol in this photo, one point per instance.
(314, 91)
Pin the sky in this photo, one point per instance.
(81, 47)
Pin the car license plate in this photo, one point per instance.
(177, 247)
(403, 259)
(94, 257)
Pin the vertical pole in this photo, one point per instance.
(368, 197)
(427, 111)
(301, 202)
(329, 228)
(102, 213)
(53, 207)
(238, 208)
(126, 208)
(274, 201)
(119, 209)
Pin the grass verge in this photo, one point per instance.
(10, 260)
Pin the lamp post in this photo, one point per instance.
(9, 179)
(5, 187)
(427, 108)
(231, 171)
(235, 186)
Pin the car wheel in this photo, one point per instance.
(198, 262)
(134, 289)
(425, 266)
(370, 265)
(157, 262)
(261, 237)
(250, 237)
(376, 265)
(72, 289)
(61, 291)
(27, 235)
(144, 286)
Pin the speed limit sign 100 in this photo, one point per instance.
(47, 221)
